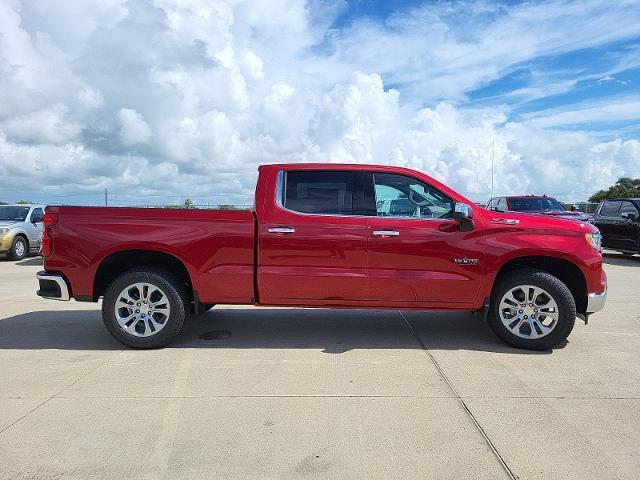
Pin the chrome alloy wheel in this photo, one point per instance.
(20, 248)
(528, 311)
(142, 309)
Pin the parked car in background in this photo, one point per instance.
(536, 204)
(619, 223)
(20, 230)
(327, 235)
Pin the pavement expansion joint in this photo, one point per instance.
(466, 409)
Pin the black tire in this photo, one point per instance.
(19, 245)
(175, 292)
(559, 292)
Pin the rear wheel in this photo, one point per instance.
(532, 309)
(145, 308)
(19, 248)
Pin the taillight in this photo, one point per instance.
(48, 221)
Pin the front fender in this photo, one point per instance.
(6, 240)
(506, 246)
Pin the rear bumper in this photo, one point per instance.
(596, 301)
(52, 286)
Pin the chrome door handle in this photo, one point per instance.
(386, 233)
(281, 230)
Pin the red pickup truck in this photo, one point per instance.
(327, 235)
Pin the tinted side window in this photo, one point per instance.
(402, 196)
(320, 192)
(609, 209)
(36, 215)
(627, 207)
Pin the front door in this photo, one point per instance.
(312, 246)
(417, 254)
(34, 228)
(606, 221)
(626, 229)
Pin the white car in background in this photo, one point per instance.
(20, 230)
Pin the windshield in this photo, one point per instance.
(534, 204)
(18, 214)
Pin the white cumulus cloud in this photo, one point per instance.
(196, 94)
(133, 128)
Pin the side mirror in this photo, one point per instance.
(629, 216)
(463, 213)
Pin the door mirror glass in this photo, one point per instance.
(462, 211)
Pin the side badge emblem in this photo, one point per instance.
(466, 261)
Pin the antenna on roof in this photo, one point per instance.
(492, 160)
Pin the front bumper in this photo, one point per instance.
(6, 241)
(52, 286)
(596, 301)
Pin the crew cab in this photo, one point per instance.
(331, 236)
(538, 204)
(619, 223)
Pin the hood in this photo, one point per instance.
(541, 221)
(563, 213)
(567, 214)
(579, 216)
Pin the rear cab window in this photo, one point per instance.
(319, 192)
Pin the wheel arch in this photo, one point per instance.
(116, 263)
(565, 270)
(24, 236)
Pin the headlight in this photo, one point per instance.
(595, 240)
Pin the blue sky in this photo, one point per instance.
(160, 100)
(608, 71)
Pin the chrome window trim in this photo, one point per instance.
(280, 202)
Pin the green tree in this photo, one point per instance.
(3, 203)
(24, 202)
(625, 187)
(188, 203)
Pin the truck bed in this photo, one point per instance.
(215, 246)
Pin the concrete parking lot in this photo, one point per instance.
(288, 393)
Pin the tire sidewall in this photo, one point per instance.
(175, 322)
(561, 295)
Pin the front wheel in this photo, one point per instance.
(144, 308)
(532, 309)
(19, 248)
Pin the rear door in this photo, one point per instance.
(312, 245)
(417, 254)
